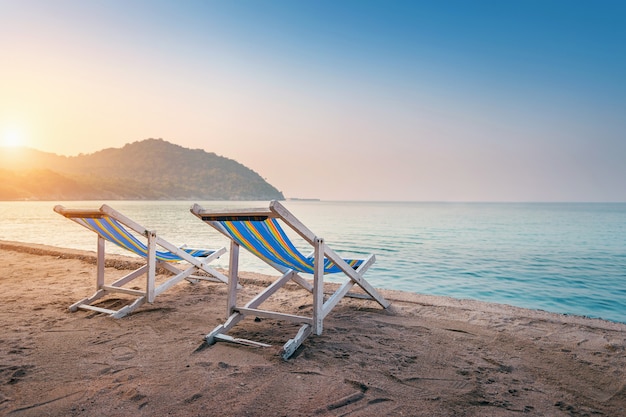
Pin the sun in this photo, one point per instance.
(11, 138)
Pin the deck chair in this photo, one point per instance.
(260, 232)
(112, 226)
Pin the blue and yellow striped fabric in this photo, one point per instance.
(267, 240)
(111, 230)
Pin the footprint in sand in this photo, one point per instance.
(123, 353)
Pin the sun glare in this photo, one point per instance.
(12, 138)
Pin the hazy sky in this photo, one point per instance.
(340, 100)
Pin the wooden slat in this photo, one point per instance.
(214, 275)
(86, 213)
(302, 282)
(174, 280)
(201, 263)
(365, 265)
(293, 344)
(96, 296)
(356, 277)
(131, 276)
(201, 212)
(271, 289)
(274, 315)
(336, 297)
(130, 291)
(151, 260)
(100, 263)
(94, 308)
(223, 328)
(318, 287)
(129, 308)
(194, 279)
(294, 223)
(233, 279)
(227, 338)
(111, 212)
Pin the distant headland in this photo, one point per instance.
(151, 169)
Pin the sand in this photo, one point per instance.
(430, 356)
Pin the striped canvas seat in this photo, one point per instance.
(260, 231)
(112, 226)
(267, 240)
(114, 232)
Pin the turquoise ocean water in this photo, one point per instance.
(559, 257)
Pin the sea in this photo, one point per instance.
(565, 258)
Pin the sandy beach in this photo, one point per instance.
(426, 355)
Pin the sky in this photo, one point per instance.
(339, 100)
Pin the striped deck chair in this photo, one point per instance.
(259, 231)
(112, 226)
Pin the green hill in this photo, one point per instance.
(152, 169)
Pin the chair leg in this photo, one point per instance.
(293, 344)
(96, 296)
(151, 275)
(103, 290)
(129, 308)
(100, 264)
(223, 328)
(318, 287)
(233, 279)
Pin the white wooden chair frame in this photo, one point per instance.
(321, 307)
(152, 290)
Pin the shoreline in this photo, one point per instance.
(427, 355)
(128, 262)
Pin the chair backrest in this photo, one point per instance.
(113, 231)
(264, 237)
